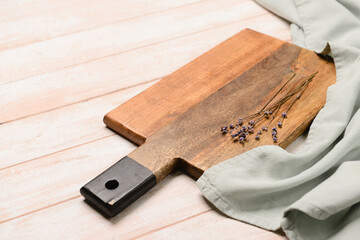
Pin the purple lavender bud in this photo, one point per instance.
(241, 139)
(265, 129)
(233, 135)
(257, 137)
(273, 134)
(251, 131)
(240, 121)
(266, 114)
(271, 112)
(279, 124)
(251, 123)
(274, 129)
(284, 115)
(244, 128)
(275, 139)
(231, 126)
(259, 133)
(224, 128)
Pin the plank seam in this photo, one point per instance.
(62, 150)
(172, 224)
(84, 100)
(43, 11)
(40, 209)
(78, 196)
(139, 47)
(107, 24)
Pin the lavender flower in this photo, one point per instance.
(270, 110)
(224, 129)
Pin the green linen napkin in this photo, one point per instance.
(315, 193)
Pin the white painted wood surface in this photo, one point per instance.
(63, 65)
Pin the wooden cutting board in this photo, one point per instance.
(180, 116)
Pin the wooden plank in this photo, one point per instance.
(81, 82)
(184, 131)
(78, 17)
(176, 199)
(211, 225)
(61, 52)
(183, 121)
(71, 218)
(198, 79)
(59, 129)
(11, 9)
(35, 180)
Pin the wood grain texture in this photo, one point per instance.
(102, 76)
(192, 141)
(174, 201)
(77, 17)
(54, 94)
(59, 129)
(10, 9)
(199, 228)
(33, 193)
(80, 47)
(177, 92)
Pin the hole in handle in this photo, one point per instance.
(112, 184)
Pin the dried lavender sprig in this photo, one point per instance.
(278, 92)
(293, 92)
(284, 99)
(273, 117)
(299, 90)
(284, 114)
(272, 109)
(259, 112)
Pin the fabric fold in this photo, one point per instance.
(315, 193)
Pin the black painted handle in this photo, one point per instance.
(118, 186)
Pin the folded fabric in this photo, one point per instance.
(315, 193)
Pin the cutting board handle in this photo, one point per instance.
(118, 186)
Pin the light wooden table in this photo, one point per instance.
(63, 65)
